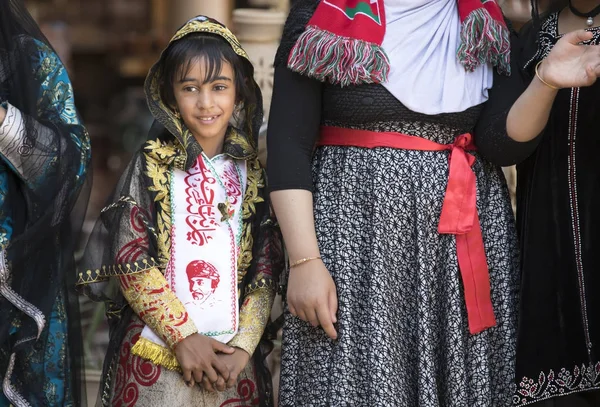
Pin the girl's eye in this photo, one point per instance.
(220, 87)
(189, 89)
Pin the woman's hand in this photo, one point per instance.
(236, 363)
(197, 356)
(571, 65)
(312, 297)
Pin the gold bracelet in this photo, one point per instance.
(540, 78)
(302, 261)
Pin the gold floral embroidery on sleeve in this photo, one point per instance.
(256, 181)
(159, 157)
(149, 296)
(255, 313)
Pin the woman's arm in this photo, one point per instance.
(568, 65)
(51, 152)
(491, 130)
(294, 125)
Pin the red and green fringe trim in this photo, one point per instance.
(483, 40)
(338, 60)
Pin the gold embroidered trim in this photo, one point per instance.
(205, 26)
(238, 146)
(153, 301)
(251, 198)
(156, 354)
(105, 272)
(158, 157)
(254, 316)
(263, 283)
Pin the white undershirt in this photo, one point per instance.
(421, 40)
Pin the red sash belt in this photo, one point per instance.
(459, 210)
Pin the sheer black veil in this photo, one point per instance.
(47, 198)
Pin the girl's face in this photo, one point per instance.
(206, 108)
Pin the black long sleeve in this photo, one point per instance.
(295, 114)
(490, 133)
(294, 123)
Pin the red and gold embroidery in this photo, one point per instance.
(150, 297)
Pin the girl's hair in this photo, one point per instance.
(213, 50)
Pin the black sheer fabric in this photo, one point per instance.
(45, 156)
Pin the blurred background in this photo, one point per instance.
(108, 47)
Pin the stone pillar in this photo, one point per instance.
(259, 32)
(182, 10)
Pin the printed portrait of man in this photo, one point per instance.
(203, 278)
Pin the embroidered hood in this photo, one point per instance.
(241, 140)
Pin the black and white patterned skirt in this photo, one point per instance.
(403, 338)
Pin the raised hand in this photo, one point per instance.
(197, 356)
(571, 64)
(312, 297)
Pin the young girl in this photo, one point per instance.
(189, 237)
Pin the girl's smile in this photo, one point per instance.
(206, 106)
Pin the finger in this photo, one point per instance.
(221, 368)
(593, 69)
(311, 316)
(575, 37)
(591, 75)
(301, 315)
(292, 310)
(207, 385)
(187, 375)
(222, 348)
(190, 383)
(212, 374)
(325, 320)
(220, 385)
(198, 376)
(333, 305)
(232, 380)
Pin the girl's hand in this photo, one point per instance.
(236, 363)
(571, 65)
(197, 356)
(312, 297)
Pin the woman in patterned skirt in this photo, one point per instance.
(403, 279)
(558, 356)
